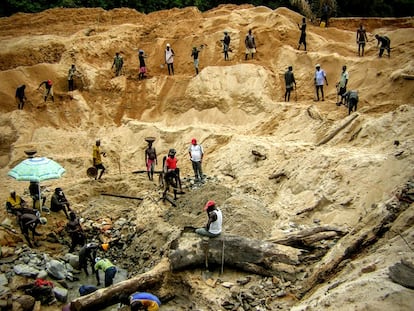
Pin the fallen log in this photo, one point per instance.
(364, 234)
(121, 196)
(108, 296)
(254, 256)
(145, 171)
(337, 130)
(309, 236)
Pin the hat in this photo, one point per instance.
(49, 82)
(105, 246)
(209, 204)
(43, 220)
(318, 66)
(97, 259)
(168, 45)
(194, 141)
(141, 51)
(12, 191)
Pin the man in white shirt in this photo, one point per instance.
(196, 156)
(320, 78)
(215, 219)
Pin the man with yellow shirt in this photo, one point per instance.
(108, 268)
(14, 203)
(97, 160)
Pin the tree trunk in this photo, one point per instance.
(108, 296)
(260, 257)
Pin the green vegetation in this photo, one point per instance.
(366, 8)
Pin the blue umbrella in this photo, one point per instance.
(36, 169)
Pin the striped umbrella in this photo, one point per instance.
(36, 169)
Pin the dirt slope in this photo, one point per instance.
(231, 107)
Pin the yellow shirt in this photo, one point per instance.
(15, 203)
(96, 155)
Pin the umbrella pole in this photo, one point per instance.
(40, 198)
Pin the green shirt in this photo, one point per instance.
(103, 264)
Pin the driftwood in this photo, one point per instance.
(255, 256)
(337, 130)
(407, 77)
(108, 296)
(121, 196)
(145, 171)
(307, 237)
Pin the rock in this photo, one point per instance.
(403, 274)
(42, 274)
(227, 284)
(72, 259)
(61, 294)
(56, 269)
(25, 270)
(26, 302)
(3, 280)
(368, 269)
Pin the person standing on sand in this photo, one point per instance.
(194, 54)
(302, 29)
(142, 66)
(319, 80)
(48, 89)
(250, 45)
(226, 45)
(169, 59)
(196, 153)
(361, 38)
(289, 82)
(20, 96)
(71, 74)
(215, 219)
(96, 158)
(150, 160)
(341, 85)
(118, 63)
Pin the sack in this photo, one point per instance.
(87, 289)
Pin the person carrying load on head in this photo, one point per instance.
(213, 227)
(150, 159)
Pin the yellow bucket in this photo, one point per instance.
(322, 25)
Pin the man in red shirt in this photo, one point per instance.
(172, 169)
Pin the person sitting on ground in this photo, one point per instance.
(14, 202)
(88, 253)
(108, 268)
(171, 167)
(215, 219)
(29, 222)
(58, 202)
(351, 100)
(35, 192)
(75, 231)
(140, 301)
(385, 44)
